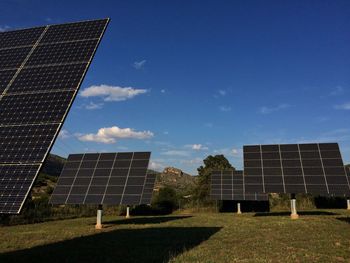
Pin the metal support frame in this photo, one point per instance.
(127, 212)
(239, 208)
(99, 217)
(293, 207)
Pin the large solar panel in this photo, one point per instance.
(229, 185)
(41, 70)
(315, 168)
(105, 178)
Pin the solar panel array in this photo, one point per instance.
(41, 70)
(105, 178)
(315, 168)
(229, 185)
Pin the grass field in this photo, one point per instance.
(318, 236)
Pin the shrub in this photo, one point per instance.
(165, 201)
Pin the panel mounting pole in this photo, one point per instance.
(293, 207)
(348, 203)
(127, 212)
(239, 208)
(99, 218)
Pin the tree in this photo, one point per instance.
(211, 163)
(166, 200)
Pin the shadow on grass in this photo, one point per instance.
(344, 219)
(145, 220)
(305, 213)
(125, 245)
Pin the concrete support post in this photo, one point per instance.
(239, 208)
(127, 212)
(348, 202)
(99, 218)
(293, 207)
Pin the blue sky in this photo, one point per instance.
(185, 79)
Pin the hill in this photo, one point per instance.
(175, 178)
(48, 176)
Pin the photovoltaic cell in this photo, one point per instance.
(230, 185)
(35, 108)
(41, 70)
(67, 52)
(26, 144)
(24, 37)
(13, 58)
(105, 178)
(50, 78)
(76, 31)
(15, 180)
(5, 77)
(148, 188)
(295, 168)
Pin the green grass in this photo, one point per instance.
(318, 236)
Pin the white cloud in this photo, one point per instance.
(209, 125)
(93, 106)
(197, 147)
(4, 28)
(222, 92)
(111, 93)
(268, 110)
(64, 134)
(162, 90)
(322, 119)
(237, 153)
(345, 106)
(225, 108)
(339, 90)
(112, 134)
(196, 161)
(139, 64)
(156, 166)
(176, 153)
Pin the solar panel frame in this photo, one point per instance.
(14, 62)
(96, 178)
(315, 168)
(230, 185)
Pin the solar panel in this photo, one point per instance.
(229, 185)
(105, 178)
(41, 70)
(315, 168)
(146, 197)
